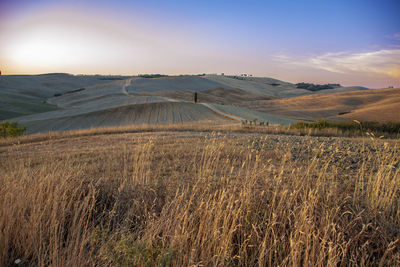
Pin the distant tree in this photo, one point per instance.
(315, 87)
(152, 75)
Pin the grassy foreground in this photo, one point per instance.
(199, 199)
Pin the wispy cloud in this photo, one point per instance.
(381, 62)
(395, 36)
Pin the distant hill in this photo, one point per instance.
(66, 102)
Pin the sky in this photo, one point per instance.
(352, 42)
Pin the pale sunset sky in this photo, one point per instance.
(352, 42)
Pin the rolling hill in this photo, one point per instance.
(372, 105)
(27, 94)
(53, 102)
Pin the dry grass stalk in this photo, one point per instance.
(200, 200)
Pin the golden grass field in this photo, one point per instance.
(164, 196)
(364, 105)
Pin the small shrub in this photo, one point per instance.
(149, 76)
(12, 129)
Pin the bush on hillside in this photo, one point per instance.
(152, 75)
(12, 129)
(315, 87)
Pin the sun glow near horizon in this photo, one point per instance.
(72, 42)
(76, 43)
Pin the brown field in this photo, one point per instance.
(198, 197)
(367, 105)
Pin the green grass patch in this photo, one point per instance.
(5, 114)
(18, 105)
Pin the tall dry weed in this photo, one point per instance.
(207, 200)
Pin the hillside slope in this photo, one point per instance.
(136, 114)
(376, 104)
(27, 94)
